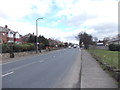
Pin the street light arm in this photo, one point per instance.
(38, 19)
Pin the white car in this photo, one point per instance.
(69, 47)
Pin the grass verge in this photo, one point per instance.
(108, 59)
(106, 56)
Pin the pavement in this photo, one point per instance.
(93, 76)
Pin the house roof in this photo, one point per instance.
(114, 40)
(3, 29)
(28, 35)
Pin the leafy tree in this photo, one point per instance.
(66, 44)
(43, 40)
(32, 39)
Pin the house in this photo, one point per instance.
(100, 43)
(53, 43)
(7, 35)
(17, 37)
(26, 37)
(115, 40)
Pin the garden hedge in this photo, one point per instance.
(114, 47)
(8, 47)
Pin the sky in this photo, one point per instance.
(62, 19)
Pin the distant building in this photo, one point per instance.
(7, 35)
(26, 37)
(100, 43)
(54, 43)
(115, 40)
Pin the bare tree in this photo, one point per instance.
(85, 39)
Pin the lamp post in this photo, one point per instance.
(37, 34)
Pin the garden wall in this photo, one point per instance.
(18, 54)
(100, 47)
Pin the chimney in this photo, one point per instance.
(6, 26)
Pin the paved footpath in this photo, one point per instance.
(92, 74)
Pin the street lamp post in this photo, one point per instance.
(37, 35)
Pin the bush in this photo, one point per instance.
(26, 47)
(17, 48)
(114, 47)
(30, 47)
(6, 48)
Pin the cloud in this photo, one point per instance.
(16, 9)
(85, 10)
(63, 19)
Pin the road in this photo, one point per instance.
(54, 69)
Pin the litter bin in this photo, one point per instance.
(11, 55)
(11, 50)
(40, 50)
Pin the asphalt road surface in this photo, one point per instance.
(47, 70)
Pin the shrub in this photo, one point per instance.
(114, 47)
(27, 47)
(17, 48)
(6, 48)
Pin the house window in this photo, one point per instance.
(17, 35)
(3, 34)
(10, 34)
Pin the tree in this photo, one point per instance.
(32, 39)
(66, 44)
(43, 42)
(85, 39)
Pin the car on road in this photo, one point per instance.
(69, 47)
(75, 46)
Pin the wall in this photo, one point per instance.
(99, 47)
(20, 54)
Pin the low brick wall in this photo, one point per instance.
(19, 54)
(100, 47)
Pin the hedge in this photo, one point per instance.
(5, 48)
(9, 47)
(114, 47)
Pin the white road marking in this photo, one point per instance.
(7, 74)
(23, 66)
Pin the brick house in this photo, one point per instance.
(8, 35)
(26, 37)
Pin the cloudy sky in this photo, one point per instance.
(62, 19)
